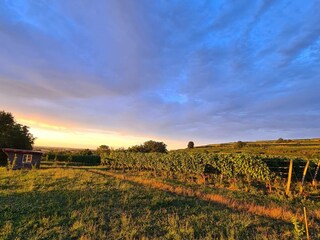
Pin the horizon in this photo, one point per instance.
(195, 146)
(120, 73)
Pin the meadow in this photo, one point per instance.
(209, 192)
(76, 202)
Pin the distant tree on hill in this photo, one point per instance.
(149, 146)
(239, 144)
(103, 149)
(13, 135)
(280, 140)
(190, 144)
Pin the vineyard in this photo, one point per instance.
(175, 195)
(240, 169)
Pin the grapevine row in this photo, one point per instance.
(234, 166)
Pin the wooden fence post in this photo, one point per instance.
(306, 222)
(221, 178)
(289, 177)
(304, 176)
(314, 181)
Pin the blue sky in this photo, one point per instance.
(207, 71)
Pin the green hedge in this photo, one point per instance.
(91, 160)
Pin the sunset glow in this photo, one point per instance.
(59, 136)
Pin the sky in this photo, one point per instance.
(121, 72)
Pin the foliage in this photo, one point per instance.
(137, 148)
(239, 144)
(280, 140)
(12, 165)
(13, 135)
(77, 157)
(253, 168)
(86, 152)
(299, 148)
(149, 146)
(190, 144)
(103, 149)
(298, 230)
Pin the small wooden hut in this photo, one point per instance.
(19, 158)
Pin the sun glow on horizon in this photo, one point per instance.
(51, 135)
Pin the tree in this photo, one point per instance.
(86, 152)
(280, 140)
(13, 134)
(153, 146)
(239, 144)
(137, 148)
(149, 146)
(103, 149)
(190, 144)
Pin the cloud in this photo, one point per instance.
(204, 71)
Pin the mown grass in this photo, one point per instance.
(66, 203)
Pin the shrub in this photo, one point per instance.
(190, 144)
(239, 144)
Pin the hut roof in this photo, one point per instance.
(22, 151)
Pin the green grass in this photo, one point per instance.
(65, 203)
(301, 148)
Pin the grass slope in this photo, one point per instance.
(59, 203)
(301, 148)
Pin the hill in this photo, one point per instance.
(297, 148)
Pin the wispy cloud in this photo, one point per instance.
(179, 71)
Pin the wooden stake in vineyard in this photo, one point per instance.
(314, 181)
(306, 222)
(304, 176)
(289, 177)
(221, 178)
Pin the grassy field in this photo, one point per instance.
(301, 148)
(91, 203)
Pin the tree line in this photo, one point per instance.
(13, 135)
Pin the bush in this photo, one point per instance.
(190, 144)
(280, 140)
(239, 144)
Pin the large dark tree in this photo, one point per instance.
(150, 146)
(13, 134)
(153, 146)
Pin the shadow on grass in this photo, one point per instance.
(53, 214)
(71, 165)
(196, 202)
(152, 210)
